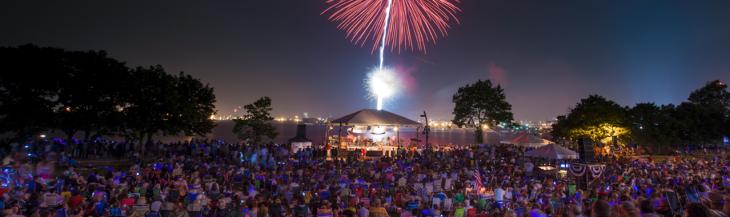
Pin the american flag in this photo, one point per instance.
(478, 181)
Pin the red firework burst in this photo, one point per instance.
(412, 24)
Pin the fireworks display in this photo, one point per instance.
(382, 83)
(398, 24)
(413, 23)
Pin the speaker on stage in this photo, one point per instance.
(585, 149)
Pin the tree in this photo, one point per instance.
(73, 91)
(194, 104)
(654, 126)
(714, 93)
(480, 105)
(147, 103)
(157, 102)
(595, 118)
(51, 88)
(29, 89)
(706, 113)
(89, 94)
(560, 130)
(256, 123)
(701, 124)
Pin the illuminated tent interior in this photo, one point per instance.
(372, 130)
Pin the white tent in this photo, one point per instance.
(527, 140)
(553, 152)
(372, 117)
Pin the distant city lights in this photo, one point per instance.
(434, 124)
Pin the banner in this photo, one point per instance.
(596, 170)
(577, 169)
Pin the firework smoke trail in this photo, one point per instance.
(385, 32)
(382, 48)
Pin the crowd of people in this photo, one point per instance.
(211, 178)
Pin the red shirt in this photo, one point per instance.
(472, 212)
(75, 201)
(128, 202)
(2, 191)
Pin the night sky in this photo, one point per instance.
(546, 54)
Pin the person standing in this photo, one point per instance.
(499, 196)
(275, 208)
(377, 210)
(363, 212)
(459, 211)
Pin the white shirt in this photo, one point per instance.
(499, 194)
(447, 184)
(447, 204)
(363, 212)
(508, 195)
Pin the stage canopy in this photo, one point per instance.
(553, 152)
(372, 117)
(527, 140)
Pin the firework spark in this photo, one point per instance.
(382, 83)
(413, 23)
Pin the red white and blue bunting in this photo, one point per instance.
(577, 169)
(596, 170)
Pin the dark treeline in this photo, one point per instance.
(701, 121)
(44, 88)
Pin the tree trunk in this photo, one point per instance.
(478, 135)
(139, 141)
(87, 135)
(69, 138)
(69, 135)
(144, 144)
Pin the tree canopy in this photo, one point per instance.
(46, 88)
(256, 123)
(701, 120)
(595, 118)
(480, 105)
